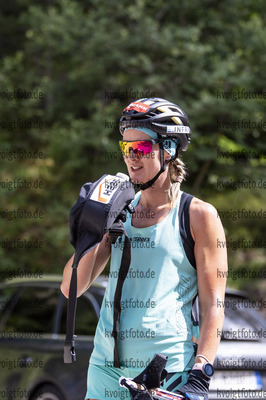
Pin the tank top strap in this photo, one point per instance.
(184, 226)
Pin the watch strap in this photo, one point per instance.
(198, 366)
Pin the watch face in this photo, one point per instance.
(208, 369)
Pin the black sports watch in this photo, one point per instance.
(206, 368)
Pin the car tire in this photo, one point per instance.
(47, 392)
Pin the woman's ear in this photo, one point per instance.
(167, 156)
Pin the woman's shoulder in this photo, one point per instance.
(202, 208)
(203, 217)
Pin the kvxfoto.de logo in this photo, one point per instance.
(243, 184)
(129, 363)
(241, 334)
(241, 303)
(242, 274)
(131, 334)
(244, 393)
(20, 213)
(21, 154)
(12, 394)
(240, 154)
(240, 362)
(21, 94)
(241, 214)
(21, 184)
(18, 362)
(241, 244)
(131, 303)
(20, 273)
(240, 94)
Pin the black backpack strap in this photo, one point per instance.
(184, 227)
(123, 270)
(69, 345)
(117, 230)
(188, 244)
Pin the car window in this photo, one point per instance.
(5, 295)
(86, 317)
(30, 309)
(240, 321)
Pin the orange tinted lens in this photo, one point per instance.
(140, 147)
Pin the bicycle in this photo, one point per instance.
(147, 383)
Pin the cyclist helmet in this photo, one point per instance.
(164, 118)
(167, 119)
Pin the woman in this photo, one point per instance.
(174, 257)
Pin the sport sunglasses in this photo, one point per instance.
(139, 147)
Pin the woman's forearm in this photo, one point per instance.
(209, 337)
(90, 266)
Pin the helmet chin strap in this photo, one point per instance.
(144, 186)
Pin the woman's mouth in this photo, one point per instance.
(135, 168)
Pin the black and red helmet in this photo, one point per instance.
(167, 119)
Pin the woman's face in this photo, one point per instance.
(141, 168)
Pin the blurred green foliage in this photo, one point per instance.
(87, 60)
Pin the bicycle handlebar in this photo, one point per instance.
(157, 393)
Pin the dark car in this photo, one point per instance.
(32, 333)
(240, 364)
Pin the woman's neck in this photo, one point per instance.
(156, 196)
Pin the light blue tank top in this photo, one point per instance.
(156, 299)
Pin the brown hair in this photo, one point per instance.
(177, 172)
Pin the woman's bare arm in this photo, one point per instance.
(211, 257)
(90, 266)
